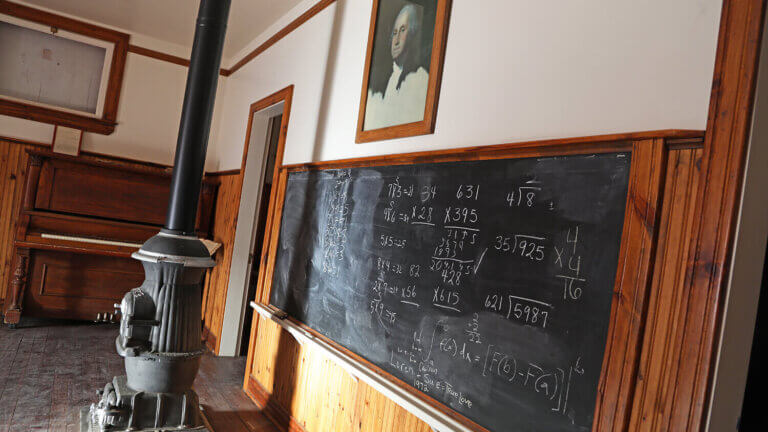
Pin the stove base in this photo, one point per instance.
(122, 409)
(87, 426)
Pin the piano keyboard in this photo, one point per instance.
(90, 240)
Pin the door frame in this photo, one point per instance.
(237, 286)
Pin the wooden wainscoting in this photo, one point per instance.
(224, 223)
(669, 295)
(13, 166)
(300, 390)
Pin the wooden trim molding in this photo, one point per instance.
(52, 116)
(224, 173)
(280, 417)
(286, 96)
(21, 141)
(209, 339)
(162, 166)
(170, 58)
(103, 161)
(285, 31)
(104, 125)
(25, 142)
(157, 55)
(467, 153)
(715, 214)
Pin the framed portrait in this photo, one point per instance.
(403, 69)
(67, 140)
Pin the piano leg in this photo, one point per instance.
(18, 285)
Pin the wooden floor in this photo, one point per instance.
(50, 369)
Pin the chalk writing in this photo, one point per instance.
(486, 285)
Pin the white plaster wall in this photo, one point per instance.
(149, 112)
(299, 58)
(29, 130)
(514, 70)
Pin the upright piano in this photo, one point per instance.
(80, 220)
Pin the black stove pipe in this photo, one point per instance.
(196, 116)
(160, 320)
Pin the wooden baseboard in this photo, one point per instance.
(209, 339)
(206, 422)
(277, 413)
(223, 173)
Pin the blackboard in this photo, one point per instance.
(486, 285)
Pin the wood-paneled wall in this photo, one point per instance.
(302, 390)
(224, 223)
(668, 297)
(13, 165)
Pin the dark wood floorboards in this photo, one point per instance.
(50, 369)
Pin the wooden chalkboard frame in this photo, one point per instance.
(636, 256)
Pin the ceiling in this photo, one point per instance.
(174, 20)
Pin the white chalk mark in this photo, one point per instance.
(480, 260)
(571, 278)
(529, 236)
(454, 259)
(422, 223)
(567, 390)
(445, 307)
(531, 300)
(487, 354)
(432, 342)
(461, 228)
(410, 303)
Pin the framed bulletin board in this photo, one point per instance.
(60, 70)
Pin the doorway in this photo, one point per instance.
(262, 157)
(752, 415)
(260, 223)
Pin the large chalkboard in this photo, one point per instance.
(486, 285)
